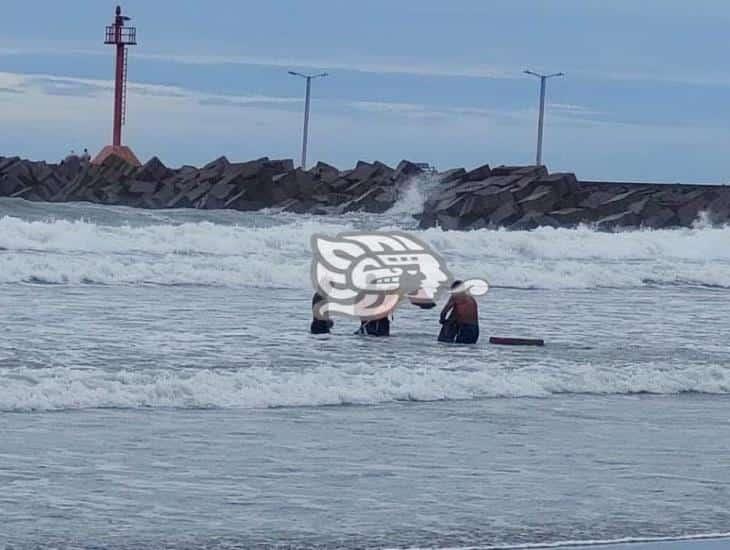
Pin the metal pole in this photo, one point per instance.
(305, 136)
(541, 118)
(306, 123)
(118, 79)
(118, 92)
(540, 121)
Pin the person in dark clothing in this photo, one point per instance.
(448, 329)
(375, 327)
(460, 317)
(321, 323)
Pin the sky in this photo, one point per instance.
(645, 95)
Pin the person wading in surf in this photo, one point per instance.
(375, 327)
(460, 317)
(321, 323)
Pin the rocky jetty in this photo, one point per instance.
(262, 183)
(516, 197)
(526, 197)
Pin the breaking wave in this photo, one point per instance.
(240, 249)
(49, 389)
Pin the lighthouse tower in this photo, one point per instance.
(120, 36)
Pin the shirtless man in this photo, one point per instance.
(460, 317)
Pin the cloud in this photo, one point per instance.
(13, 83)
(245, 101)
(188, 126)
(54, 85)
(569, 107)
(364, 65)
(378, 66)
(560, 113)
(435, 113)
(445, 68)
(40, 86)
(394, 108)
(654, 76)
(67, 87)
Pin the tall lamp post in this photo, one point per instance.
(543, 79)
(305, 137)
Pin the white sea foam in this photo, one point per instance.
(251, 254)
(23, 388)
(413, 197)
(623, 543)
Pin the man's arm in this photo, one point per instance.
(447, 309)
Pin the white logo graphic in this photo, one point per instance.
(366, 275)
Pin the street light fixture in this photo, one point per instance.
(308, 78)
(543, 78)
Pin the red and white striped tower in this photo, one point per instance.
(120, 36)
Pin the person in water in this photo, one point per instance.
(375, 327)
(321, 323)
(460, 317)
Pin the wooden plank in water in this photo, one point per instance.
(517, 341)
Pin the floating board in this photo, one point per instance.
(516, 341)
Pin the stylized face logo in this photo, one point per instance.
(365, 275)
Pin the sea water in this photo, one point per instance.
(159, 388)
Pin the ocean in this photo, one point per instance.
(159, 388)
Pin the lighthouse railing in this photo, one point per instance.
(125, 35)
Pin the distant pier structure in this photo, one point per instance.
(119, 35)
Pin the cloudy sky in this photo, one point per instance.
(645, 96)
